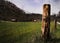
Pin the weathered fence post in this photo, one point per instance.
(55, 23)
(46, 21)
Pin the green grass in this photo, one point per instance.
(23, 32)
(15, 32)
(55, 31)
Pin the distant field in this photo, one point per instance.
(22, 32)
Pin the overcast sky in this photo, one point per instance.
(35, 6)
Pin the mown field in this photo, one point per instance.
(24, 32)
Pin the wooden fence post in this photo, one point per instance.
(46, 21)
(55, 23)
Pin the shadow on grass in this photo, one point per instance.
(55, 40)
(22, 39)
(52, 40)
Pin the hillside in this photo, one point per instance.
(9, 11)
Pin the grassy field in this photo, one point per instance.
(23, 32)
(19, 32)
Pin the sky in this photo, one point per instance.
(36, 6)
